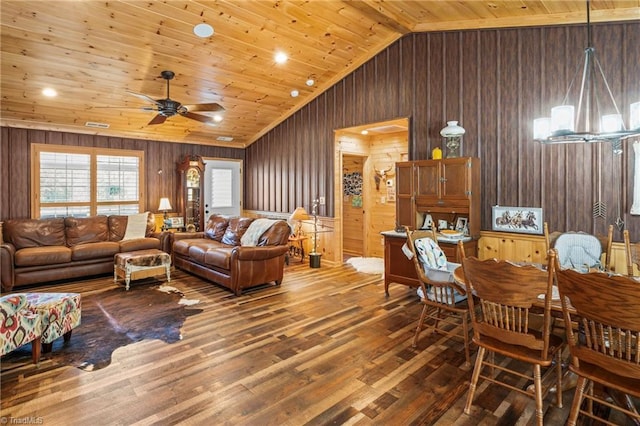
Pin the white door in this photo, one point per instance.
(222, 187)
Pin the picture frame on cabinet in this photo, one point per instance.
(462, 225)
(523, 220)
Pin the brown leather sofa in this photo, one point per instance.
(221, 255)
(40, 250)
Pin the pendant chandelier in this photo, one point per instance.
(596, 118)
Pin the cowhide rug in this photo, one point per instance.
(114, 318)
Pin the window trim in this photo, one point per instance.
(38, 148)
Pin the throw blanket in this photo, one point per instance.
(255, 230)
(136, 226)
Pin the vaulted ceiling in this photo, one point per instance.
(95, 53)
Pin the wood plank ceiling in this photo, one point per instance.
(93, 52)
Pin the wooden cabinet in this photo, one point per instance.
(446, 189)
(191, 191)
(399, 269)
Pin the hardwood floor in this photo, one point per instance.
(326, 347)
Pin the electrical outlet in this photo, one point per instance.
(322, 201)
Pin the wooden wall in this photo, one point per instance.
(159, 156)
(494, 82)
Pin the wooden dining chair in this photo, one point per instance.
(444, 300)
(631, 253)
(605, 347)
(506, 294)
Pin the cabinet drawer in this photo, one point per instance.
(442, 206)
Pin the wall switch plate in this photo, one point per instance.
(321, 201)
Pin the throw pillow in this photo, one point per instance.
(136, 226)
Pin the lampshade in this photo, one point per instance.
(299, 214)
(164, 204)
(452, 129)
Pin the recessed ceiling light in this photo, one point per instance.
(281, 57)
(365, 132)
(203, 30)
(310, 82)
(49, 92)
(294, 93)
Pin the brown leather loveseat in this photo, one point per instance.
(40, 250)
(236, 252)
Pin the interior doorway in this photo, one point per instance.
(352, 208)
(369, 153)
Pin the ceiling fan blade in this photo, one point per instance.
(212, 107)
(198, 117)
(144, 97)
(158, 119)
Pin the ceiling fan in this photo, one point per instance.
(168, 107)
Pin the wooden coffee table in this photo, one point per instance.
(140, 264)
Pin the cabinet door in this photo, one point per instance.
(455, 174)
(427, 179)
(405, 215)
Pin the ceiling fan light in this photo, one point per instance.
(217, 118)
(203, 30)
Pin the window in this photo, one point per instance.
(81, 182)
(221, 188)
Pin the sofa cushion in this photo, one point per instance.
(235, 230)
(216, 227)
(24, 233)
(97, 250)
(219, 257)
(37, 256)
(118, 226)
(139, 244)
(82, 230)
(182, 246)
(197, 252)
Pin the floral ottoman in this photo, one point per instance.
(59, 313)
(141, 264)
(18, 325)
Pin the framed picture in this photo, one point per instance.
(461, 225)
(175, 222)
(526, 220)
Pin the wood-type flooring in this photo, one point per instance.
(326, 347)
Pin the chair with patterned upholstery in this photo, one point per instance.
(19, 325)
(605, 345)
(631, 253)
(581, 250)
(444, 300)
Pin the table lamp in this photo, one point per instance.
(299, 214)
(164, 206)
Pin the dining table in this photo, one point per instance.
(556, 302)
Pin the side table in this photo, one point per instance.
(296, 246)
